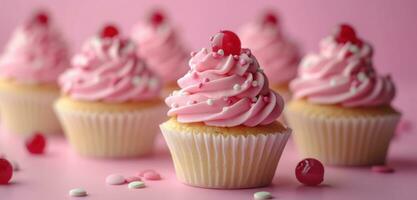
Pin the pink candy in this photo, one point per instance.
(382, 169)
(150, 174)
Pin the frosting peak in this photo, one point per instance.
(36, 52)
(225, 90)
(108, 69)
(160, 45)
(342, 73)
(278, 55)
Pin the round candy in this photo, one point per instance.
(36, 144)
(310, 172)
(6, 171)
(262, 195)
(153, 176)
(382, 169)
(136, 185)
(78, 192)
(115, 179)
(227, 41)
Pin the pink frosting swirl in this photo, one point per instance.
(225, 91)
(278, 55)
(36, 53)
(162, 49)
(343, 74)
(108, 70)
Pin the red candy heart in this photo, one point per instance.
(36, 144)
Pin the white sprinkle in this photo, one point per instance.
(353, 90)
(333, 82)
(153, 83)
(255, 83)
(78, 192)
(262, 195)
(362, 76)
(225, 109)
(136, 80)
(236, 87)
(136, 185)
(220, 52)
(184, 93)
(353, 49)
(210, 102)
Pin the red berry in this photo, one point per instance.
(6, 171)
(109, 31)
(228, 41)
(36, 144)
(310, 172)
(270, 18)
(157, 17)
(345, 33)
(41, 18)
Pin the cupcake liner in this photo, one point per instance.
(348, 141)
(225, 161)
(111, 134)
(24, 113)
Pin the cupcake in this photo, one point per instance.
(277, 54)
(162, 49)
(223, 131)
(341, 113)
(110, 104)
(29, 68)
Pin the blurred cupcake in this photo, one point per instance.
(342, 111)
(162, 49)
(223, 131)
(29, 68)
(277, 54)
(110, 105)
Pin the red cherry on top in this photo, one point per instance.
(109, 31)
(228, 41)
(157, 17)
(41, 18)
(270, 18)
(310, 172)
(36, 144)
(6, 171)
(345, 33)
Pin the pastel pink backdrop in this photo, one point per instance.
(389, 24)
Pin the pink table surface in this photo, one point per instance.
(51, 176)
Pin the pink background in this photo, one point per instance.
(389, 24)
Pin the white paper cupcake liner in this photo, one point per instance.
(343, 141)
(26, 113)
(225, 161)
(112, 134)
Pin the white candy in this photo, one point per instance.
(255, 83)
(220, 52)
(333, 82)
(136, 185)
(236, 87)
(362, 76)
(210, 102)
(136, 80)
(262, 195)
(78, 192)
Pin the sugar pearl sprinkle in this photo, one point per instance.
(255, 83)
(236, 87)
(333, 82)
(115, 179)
(77, 192)
(220, 52)
(361, 76)
(262, 195)
(210, 102)
(136, 185)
